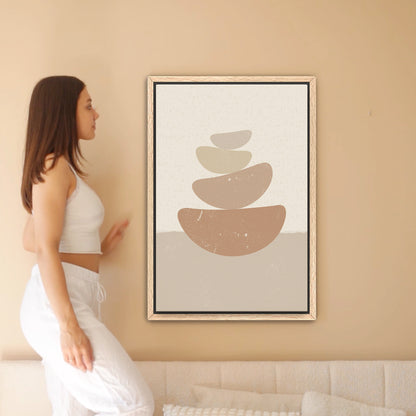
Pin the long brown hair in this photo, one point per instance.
(51, 128)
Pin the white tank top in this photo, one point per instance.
(84, 214)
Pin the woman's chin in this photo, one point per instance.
(88, 138)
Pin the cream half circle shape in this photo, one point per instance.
(222, 161)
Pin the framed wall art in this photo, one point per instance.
(231, 210)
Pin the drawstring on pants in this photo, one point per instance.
(101, 296)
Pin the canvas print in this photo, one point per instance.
(231, 217)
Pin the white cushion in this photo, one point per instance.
(214, 397)
(320, 404)
(175, 410)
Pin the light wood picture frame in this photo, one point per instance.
(231, 198)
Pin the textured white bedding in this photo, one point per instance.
(379, 383)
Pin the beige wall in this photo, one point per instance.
(363, 55)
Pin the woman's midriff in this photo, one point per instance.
(89, 261)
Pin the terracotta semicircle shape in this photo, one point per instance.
(221, 160)
(232, 139)
(235, 190)
(234, 232)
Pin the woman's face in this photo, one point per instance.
(86, 116)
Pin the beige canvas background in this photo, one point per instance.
(362, 53)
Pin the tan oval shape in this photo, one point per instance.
(235, 190)
(231, 140)
(234, 232)
(222, 161)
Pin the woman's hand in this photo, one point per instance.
(114, 236)
(76, 348)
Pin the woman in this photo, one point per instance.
(86, 368)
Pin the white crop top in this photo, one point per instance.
(84, 214)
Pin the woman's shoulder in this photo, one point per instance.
(60, 164)
(61, 167)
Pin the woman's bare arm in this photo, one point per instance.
(29, 235)
(49, 201)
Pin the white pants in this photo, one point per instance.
(115, 385)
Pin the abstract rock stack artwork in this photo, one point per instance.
(231, 212)
(232, 230)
